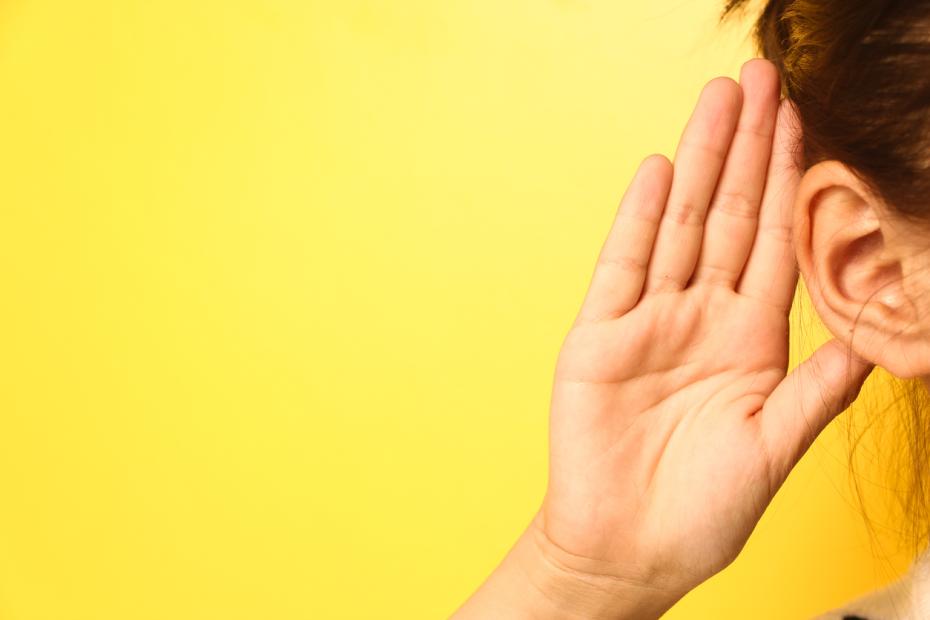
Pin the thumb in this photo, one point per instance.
(807, 400)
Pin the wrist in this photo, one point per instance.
(540, 580)
(578, 587)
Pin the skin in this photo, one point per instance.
(672, 421)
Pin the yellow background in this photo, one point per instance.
(283, 284)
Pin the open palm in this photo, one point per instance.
(673, 422)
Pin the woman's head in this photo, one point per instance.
(858, 73)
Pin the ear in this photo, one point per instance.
(850, 257)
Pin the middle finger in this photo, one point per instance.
(698, 161)
(734, 210)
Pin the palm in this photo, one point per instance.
(684, 373)
(672, 424)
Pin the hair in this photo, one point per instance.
(858, 73)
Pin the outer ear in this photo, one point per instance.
(851, 260)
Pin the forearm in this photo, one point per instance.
(535, 581)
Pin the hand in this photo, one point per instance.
(673, 423)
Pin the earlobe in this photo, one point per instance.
(852, 271)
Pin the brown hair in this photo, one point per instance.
(858, 72)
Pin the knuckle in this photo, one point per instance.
(779, 232)
(639, 214)
(736, 204)
(623, 263)
(713, 274)
(714, 152)
(664, 284)
(757, 129)
(685, 213)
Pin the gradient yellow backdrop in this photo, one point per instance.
(283, 285)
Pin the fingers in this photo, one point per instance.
(618, 278)
(807, 400)
(771, 272)
(659, 240)
(732, 218)
(698, 162)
